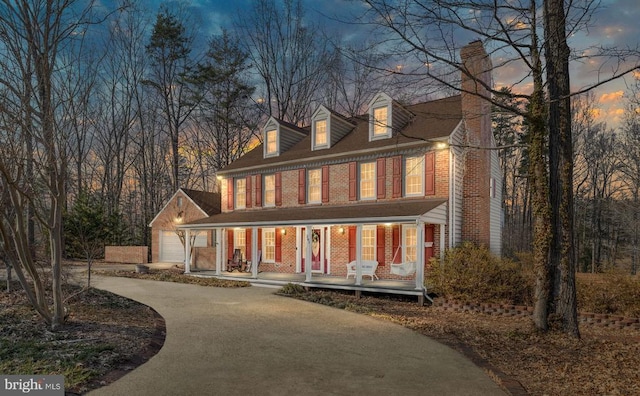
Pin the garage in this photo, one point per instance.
(171, 249)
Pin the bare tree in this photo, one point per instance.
(33, 34)
(289, 55)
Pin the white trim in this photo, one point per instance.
(171, 199)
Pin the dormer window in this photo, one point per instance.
(380, 122)
(320, 133)
(271, 143)
(381, 117)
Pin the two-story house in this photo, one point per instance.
(393, 187)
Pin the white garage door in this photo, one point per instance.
(171, 249)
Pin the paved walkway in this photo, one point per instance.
(248, 341)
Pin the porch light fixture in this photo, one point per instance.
(179, 217)
(441, 145)
(341, 230)
(283, 231)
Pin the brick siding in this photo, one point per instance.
(126, 254)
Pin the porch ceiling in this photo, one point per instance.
(358, 213)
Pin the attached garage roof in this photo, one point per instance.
(429, 210)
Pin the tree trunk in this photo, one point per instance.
(561, 166)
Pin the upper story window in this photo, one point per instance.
(271, 142)
(368, 180)
(320, 133)
(314, 186)
(414, 176)
(270, 190)
(241, 193)
(381, 124)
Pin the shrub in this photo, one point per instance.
(471, 273)
(291, 289)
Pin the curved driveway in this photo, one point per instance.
(248, 341)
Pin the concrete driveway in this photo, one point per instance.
(248, 341)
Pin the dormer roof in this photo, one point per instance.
(334, 126)
(386, 116)
(279, 136)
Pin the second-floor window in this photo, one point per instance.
(320, 133)
(368, 180)
(269, 245)
(241, 193)
(270, 190)
(369, 242)
(314, 186)
(271, 142)
(414, 176)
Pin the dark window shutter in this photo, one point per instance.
(353, 181)
(380, 244)
(248, 191)
(278, 246)
(247, 243)
(302, 188)
(230, 246)
(260, 239)
(429, 233)
(381, 170)
(397, 252)
(397, 177)
(230, 193)
(430, 173)
(278, 189)
(352, 243)
(258, 190)
(325, 183)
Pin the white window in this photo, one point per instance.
(409, 243)
(369, 242)
(269, 245)
(270, 190)
(320, 127)
(368, 180)
(314, 186)
(241, 193)
(271, 142)
(380, 122)
(414, 176)
(239, 241)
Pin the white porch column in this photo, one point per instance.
(308, 253)
(442, 241)
(187, 251)
(420, 256)
(219, 253)
(358, 254)
(254, 252)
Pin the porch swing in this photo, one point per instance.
(406, 268)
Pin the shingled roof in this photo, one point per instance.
(432, 120)
(207, 201)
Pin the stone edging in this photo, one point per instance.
(603, 320)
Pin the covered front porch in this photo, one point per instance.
(378, 248)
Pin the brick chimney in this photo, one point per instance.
(476, 112)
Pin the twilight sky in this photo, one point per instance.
(615, 22)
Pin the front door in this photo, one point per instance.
(318, 258)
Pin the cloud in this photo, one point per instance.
(610, 97)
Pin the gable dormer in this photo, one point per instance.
(385, 116)
(327, 128)
(278, 136)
